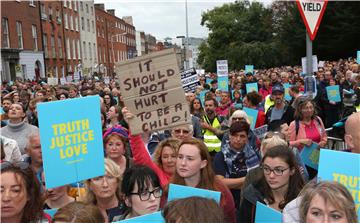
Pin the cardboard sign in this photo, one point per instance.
(343, 167)
(312, 12)
(179, 191)
(63, 81)
(314, 65)
(155, 217)
(189, 80)
(287, 95)
(152, 91)
(333, 93)
(71, 140)
(261, 131)
(52, 81)
(223, 83)
(251, 87)
(252, 115)
(310, 155)
(222, 68)
(265, 214)
(249, 69)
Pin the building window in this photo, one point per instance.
(66, 21)
(65, 3)
(78, 48)
(87, 8)
(71, 23)
(104, 54)
(93, 26)
(45, 45)
(75, 6)
(31, 3)
(70, 3)
(58, 17)
(82, 23)
(52, 42)
(84, 51)
(81, 6)
(92, 10)
(71, 49)
(76, 24)
(60, 47)
(55, 71)
(74, 49)
(19, 34)
(68, 48)
(88, 25)
(94, 48)
(5, 33)
(34, 36)
(90, 51)
(50, 11)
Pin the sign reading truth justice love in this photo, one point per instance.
(152, 91)
(71, 140)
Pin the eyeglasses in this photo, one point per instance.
(145, 195)
(277, 171)
(22, 165)
(184, 131)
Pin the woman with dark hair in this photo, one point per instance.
(114, 117)
(21, 200)
(193, 168)
(280, 183)
(196, 108)
(142, 192)
(109, 100)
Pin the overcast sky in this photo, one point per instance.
(164, 18)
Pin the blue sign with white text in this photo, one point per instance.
(310, 155)
(252, 115)
(71, 140)
(333, 93)
(251, 87)
(180, 191)
(223, 83)
(249, 69)
(287, 95)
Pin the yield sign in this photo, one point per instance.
(312, 12)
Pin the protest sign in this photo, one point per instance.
(200, 71)
(71, 140)
(152, 91)
(249, 69)
(51, 212)
(223, 83)
(261, 131)
(222, 68)
(179, 191)
(52, 81)
(358, 57)
(333, 93)
(265, 214)
(251, 87)
(252, 115)
(189, 80)
(314, 61)
(202, 97)
(287, 95)
(321, 63)
(62, 80)
(155, 217)
(310, 155)
(343, 167)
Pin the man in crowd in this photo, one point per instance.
(235, 159)
(294, 93)
(34, 152)
(225, 103)
(352, 132)
(6, 103)
(280, 112)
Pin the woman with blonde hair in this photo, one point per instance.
(327, 201)
(78, 212)
(104, 191)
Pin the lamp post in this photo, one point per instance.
(184, 61)
(187, 36)
(112, 44)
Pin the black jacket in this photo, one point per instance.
(287, 117)
(247, 208)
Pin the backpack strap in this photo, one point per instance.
(297, 126)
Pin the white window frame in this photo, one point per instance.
(34, 36)
(59, 46)
(19, 35)
(66, 21)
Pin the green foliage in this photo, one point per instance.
(249, 33)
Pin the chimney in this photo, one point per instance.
(111, 11)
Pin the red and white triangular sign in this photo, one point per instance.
(312, 12)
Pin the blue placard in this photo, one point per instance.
(179, 191)
(249, 69)
(310, 155)
(343, 167)
(71, 140)
(333, 93)
(287, 95)
(208, 81)
(218, 99)
(202, 97)
(251, 87)
(358, 57)
(265, 214)
(223, 83)
(252, 115)
(155, 217)
(51, 212)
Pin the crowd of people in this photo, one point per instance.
(217, 151)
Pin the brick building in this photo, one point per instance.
(21, 48)
(53, 37)
(150, 43)
(140, 43)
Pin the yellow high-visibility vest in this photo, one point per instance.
(212, 142)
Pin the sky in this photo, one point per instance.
(163, 18)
